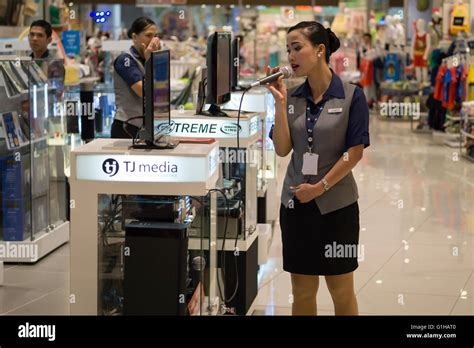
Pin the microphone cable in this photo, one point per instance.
(238, 118)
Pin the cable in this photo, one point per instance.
(238, 118)
(128, 123)
(113, 212)
(223, 253)
(222, 296)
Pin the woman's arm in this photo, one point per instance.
(137, 87)
(128, 70)
(344, 165)
(281, 132)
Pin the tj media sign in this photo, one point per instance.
(139, 168)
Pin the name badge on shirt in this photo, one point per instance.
(310, 164)
(334, 111)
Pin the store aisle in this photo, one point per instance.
(39, 289)
(417, 231)
(417, 238)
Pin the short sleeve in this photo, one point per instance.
(128, 69)
(358, 126)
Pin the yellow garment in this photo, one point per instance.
(470, 95)
(470, 76)
(339, 24)
(459, 18)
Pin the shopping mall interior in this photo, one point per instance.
(145, 173)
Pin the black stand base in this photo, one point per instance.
(214, 110)
(156, 146)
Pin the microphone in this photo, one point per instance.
(284, 71)
(198, 265)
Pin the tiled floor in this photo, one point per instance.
(417, 233)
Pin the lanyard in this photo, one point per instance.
(311, 120)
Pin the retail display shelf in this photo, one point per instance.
(453, 118)
(452, 143)
(469, 135)
(44, 243)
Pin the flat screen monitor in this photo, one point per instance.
(219, 68)
(157, 93)
(235, 67)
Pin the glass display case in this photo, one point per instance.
(158, 269)
(33, 201)
(103, 109)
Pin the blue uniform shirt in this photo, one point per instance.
(127, 68)
(358, 126)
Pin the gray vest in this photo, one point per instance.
(329, 136)
(128, 103)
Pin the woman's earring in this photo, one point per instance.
(319, 55)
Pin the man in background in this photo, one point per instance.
(39, 37)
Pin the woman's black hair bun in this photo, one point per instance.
(333, 41)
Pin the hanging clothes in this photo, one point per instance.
(366, 72)
(438, 90)
(392, 67)
(436, 113)
(470, 81)
(450, 87)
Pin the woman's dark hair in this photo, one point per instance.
(139, 25)
(317, 34)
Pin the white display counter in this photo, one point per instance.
(110, 166)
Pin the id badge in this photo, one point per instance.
(310, 163)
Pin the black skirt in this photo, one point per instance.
(316, 244)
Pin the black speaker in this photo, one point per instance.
(87, 112)
(72, 117)
(246, 271)
(262, 209)
(155, 268)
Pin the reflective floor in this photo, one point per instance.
(417, 238)
(417, 231)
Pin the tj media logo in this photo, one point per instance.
(110, 167)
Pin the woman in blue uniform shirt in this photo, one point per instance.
(325, 122)
(129, 70)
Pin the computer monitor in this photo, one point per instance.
(156, 99)
(235, 67)
(218, 71)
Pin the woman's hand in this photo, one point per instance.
(153, 46)
(277, 88)
(307, 192)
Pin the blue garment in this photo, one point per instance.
(436, 61)
(127, 68)
(358, 126)
(392, 67)
(460, 91)
(446, 84)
